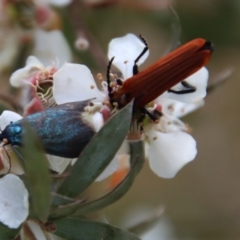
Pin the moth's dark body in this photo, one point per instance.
(61, 129)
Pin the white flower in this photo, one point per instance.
(75, 78)
(170, 147)
(125, 50)
(199, 81)
(14, 205)
(57, 3)
(72, 82)
(25, 75)
(51, 46)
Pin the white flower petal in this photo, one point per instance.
(57, 3)
(51, 46)
(97, 121)
(125, 50)
(7, 117)
(199, 80)
(179, 109)
(169, 124)
(13, 201)
(33, 61)
(169, 152)
(33, 65)
(74, 82)
(58, 164)
(36, 230)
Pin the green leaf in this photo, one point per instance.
(79, 229)
(37, 173)
(98, 153)
(8, 233)
(65, 210)
(137, 159)
(58, 200)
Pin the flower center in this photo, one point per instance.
(43, 82)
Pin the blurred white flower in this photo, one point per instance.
(28, 74)
(14, 205)
(57, 3)
(51, 46)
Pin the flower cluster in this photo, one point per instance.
(169, 146)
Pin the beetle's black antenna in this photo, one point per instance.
(109, 78)
(189, 89)
(135, 66)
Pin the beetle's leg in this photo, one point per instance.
(188, 86)
(135, 66)
(155, 115)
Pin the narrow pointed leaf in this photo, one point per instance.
(65, 210)
(58, 200)
(37, 173)
(137, 159)
(97, 154)
(79, 229)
